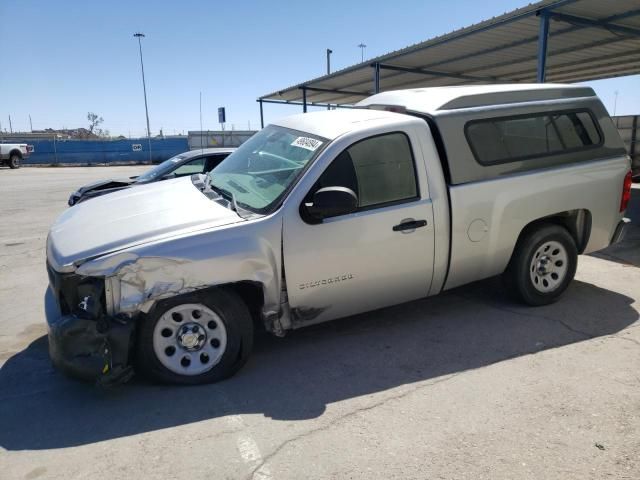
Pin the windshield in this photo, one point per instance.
(161, 169)
(260, 172)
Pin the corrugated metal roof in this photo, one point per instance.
(437, 100)
(588, 40)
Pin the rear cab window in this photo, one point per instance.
(506, 139)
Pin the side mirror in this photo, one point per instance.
(333, 201)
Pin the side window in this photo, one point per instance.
(380, 170)
(576, 129)
(499, 140)
(529, 136)
(214, 160)
(189, 168)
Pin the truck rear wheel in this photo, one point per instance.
(14, 161)
(542, 266)
(195, 338)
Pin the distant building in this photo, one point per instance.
(218, 138)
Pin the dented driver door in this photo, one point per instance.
(379, 255)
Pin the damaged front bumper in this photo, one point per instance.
(89, 349)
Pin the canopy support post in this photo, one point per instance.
(543, 37)
(261, 114)
(304, 99)
(376, 77)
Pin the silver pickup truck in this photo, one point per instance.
(328, 214)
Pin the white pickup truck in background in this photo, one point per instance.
(329, 214)
(12, 154)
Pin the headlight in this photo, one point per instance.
(89, 302)
(78, 295)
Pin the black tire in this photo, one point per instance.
(518, 275)
(14, 161)
(239, 337)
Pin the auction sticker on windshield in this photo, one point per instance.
(307, 143)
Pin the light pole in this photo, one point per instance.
(329, 52)
(362, 47)
(139, 35)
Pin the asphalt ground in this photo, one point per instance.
(463, 385)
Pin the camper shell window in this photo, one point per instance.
(508, 139)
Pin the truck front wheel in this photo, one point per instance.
(195, 338)
(543, 264)
(14, 161)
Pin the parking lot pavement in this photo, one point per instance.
(463, 385)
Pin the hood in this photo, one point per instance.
(75, 199)
(99, 188)
(104, 184)
(131, 217)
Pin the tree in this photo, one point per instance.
(94, 121)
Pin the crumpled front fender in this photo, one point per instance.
(146, 274)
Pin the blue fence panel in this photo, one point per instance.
(88, 152)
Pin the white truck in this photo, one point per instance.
(12, 154)
(328, 214)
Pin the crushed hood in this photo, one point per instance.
(106, 184)
(131, 217)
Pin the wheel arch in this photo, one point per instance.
(576, 222)
(251, 292)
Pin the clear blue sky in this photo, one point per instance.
(62, 58)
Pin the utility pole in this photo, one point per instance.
(139, 36)
(362, 46)
(201, 142)
(30, 123)
(329, 52)
(615, 103)
(10, 126)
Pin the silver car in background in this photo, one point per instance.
(184, 164)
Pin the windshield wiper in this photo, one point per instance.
(207, 182)
(229, 195)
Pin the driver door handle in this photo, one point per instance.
(409, 225)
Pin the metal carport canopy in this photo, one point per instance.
(552, 40)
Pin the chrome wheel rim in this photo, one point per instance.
(549, 266)
(189, 339)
